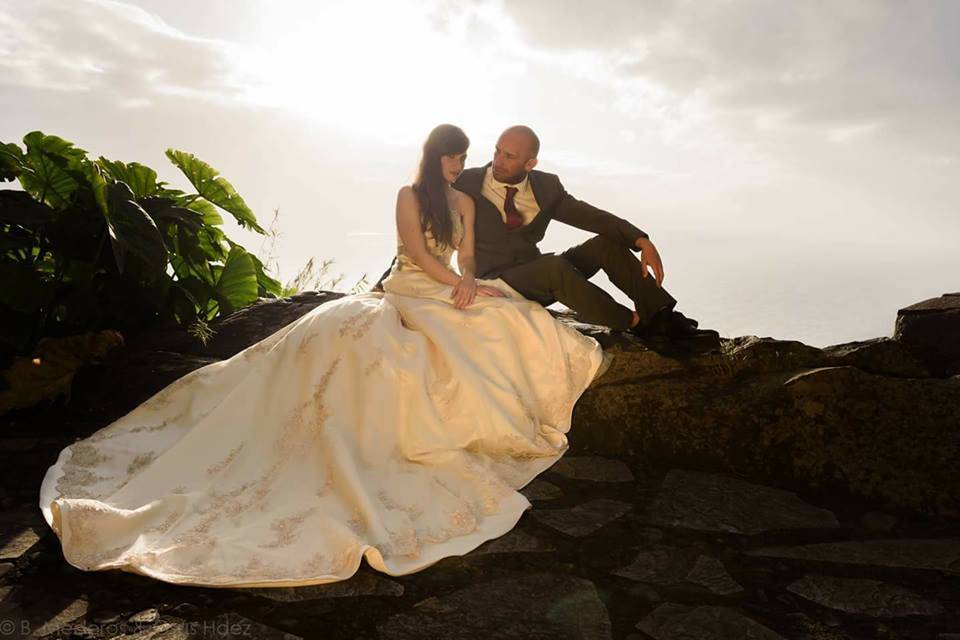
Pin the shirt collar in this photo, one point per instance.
(521, 186)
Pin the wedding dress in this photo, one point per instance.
(388, 425)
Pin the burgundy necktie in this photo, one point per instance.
(513, 218)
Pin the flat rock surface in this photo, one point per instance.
(16, 542)
(863, 596)
(680, 622)
(583, 519)
(541, 490)
(516, 541)
(669, 566)
(936, 555)
(946, 302)
(540, 606)
(711, 502)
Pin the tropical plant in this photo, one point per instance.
(97, 244)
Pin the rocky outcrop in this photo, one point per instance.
(878, 418)
(931, 330)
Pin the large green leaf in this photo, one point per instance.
(212, 240)
(47, 168)
(190, 249)
(56, 147)
(11, 161)
(46, 180)
(211, 215)
(210, 185)
(133, 231)
(49, 164)
(98, 185)
(142, 180)
(164, 209)
(237, 284)
(267, 284)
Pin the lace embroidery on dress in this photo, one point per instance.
(412, 511)
(167, 522)
(140, 462)
(225, 504)
(223, 464)
(286, 529)
(375, 363)
(85, 534)
(306, 422)
(493, 489)
(358, 324)
(77, 475)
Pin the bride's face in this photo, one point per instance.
(452, 166)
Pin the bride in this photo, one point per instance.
(395, 426)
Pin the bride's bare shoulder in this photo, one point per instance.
(407, 199)
(464, 202)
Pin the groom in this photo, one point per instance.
(515, 203)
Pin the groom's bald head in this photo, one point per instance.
(516, 154)
(526, 132)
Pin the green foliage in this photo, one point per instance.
(93, 244)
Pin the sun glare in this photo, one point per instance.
(390, 72)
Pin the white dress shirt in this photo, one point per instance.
(496, 192)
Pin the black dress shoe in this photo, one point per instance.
(684, 318)
(668, 326)
(666, 323)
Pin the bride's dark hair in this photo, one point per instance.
(429, 183)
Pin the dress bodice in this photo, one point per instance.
(439, 251)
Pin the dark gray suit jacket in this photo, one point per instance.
(499, 248)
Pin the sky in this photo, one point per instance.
(795, 163)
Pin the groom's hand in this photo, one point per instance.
(650, 257)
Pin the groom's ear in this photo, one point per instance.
(531, 163)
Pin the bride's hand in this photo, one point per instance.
(485, 290)
(464, 292)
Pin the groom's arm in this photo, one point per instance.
(583, 215)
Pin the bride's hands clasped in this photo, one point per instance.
(465, 292)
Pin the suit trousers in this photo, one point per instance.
(565, 277)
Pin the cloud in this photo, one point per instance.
(107, 46)
(870, 67)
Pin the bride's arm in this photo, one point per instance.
(465, 252)
(411, 234)
(465, 292)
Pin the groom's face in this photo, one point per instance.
(511, 158)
